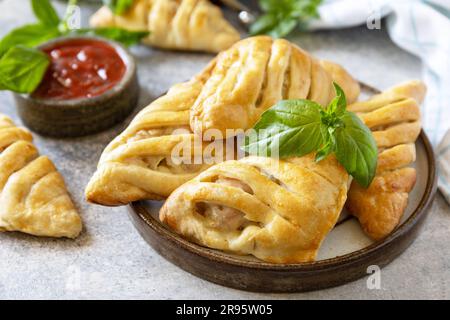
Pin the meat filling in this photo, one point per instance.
(223, 217)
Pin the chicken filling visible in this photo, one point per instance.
(223, 217)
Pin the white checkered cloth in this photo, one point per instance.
(422, 27)
(443, 159)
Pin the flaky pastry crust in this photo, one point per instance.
(394, 118)
(278, 211)
(174, 24)
(33, 196)
(256, 73)
(138, 164)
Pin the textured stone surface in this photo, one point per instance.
(110, 260)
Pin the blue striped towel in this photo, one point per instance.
(421, 27)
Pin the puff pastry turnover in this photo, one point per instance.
(256, 73)
(143, 162)
(278, 211)
(394, 118)
(174, 24)
(33, 196)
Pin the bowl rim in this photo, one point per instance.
(137, 208)
(122, 51)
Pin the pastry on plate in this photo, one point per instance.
(174, 24)
(276, 210)
(146, 161)
(33, 196)
(138, 164)
(256, 73)
(394, 118)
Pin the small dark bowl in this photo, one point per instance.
(83, 116)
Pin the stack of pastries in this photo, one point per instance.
(279, 211)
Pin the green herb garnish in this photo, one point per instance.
(280, 17)
(22, 67)
(118, 6)
(295, 128)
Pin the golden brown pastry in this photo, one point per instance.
(278, 211)
(339, 75)
(33, 196)
(174, 24)
(394, 118)
(253, 75)
(139, 163)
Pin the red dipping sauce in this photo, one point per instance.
(80, 68)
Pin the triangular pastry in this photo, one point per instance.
(33, 196)
(276, 210)
(394, 118)
(174, 24)
(138, 164)
(256, 73)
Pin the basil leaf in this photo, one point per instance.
(29, 35)
(44, 11)
(282, 16)
(306, 8)
(263, 24)
(339, 103)
(119, 7)
(126, 37)
(267, 5)
(22, 69)
(329, 143)
(356, 149)
(283, 28)
(291, 127)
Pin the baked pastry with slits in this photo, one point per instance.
(349, 85)
(276, 210)
(394, 118)
(33, 196)
(138, 163)
(146, 161)
(174, 24)
(252, 76)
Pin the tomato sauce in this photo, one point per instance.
(80, 68)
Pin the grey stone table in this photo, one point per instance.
(110, 260)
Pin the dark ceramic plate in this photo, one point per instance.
(345, 255)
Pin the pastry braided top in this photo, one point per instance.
(33, 196)
(174, 24)
(138, 164)
(252, 76)
(394, 118)
(278, 211)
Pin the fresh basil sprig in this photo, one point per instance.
(22, 68)
(295, 128)
(118, 6)
(280, 17)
